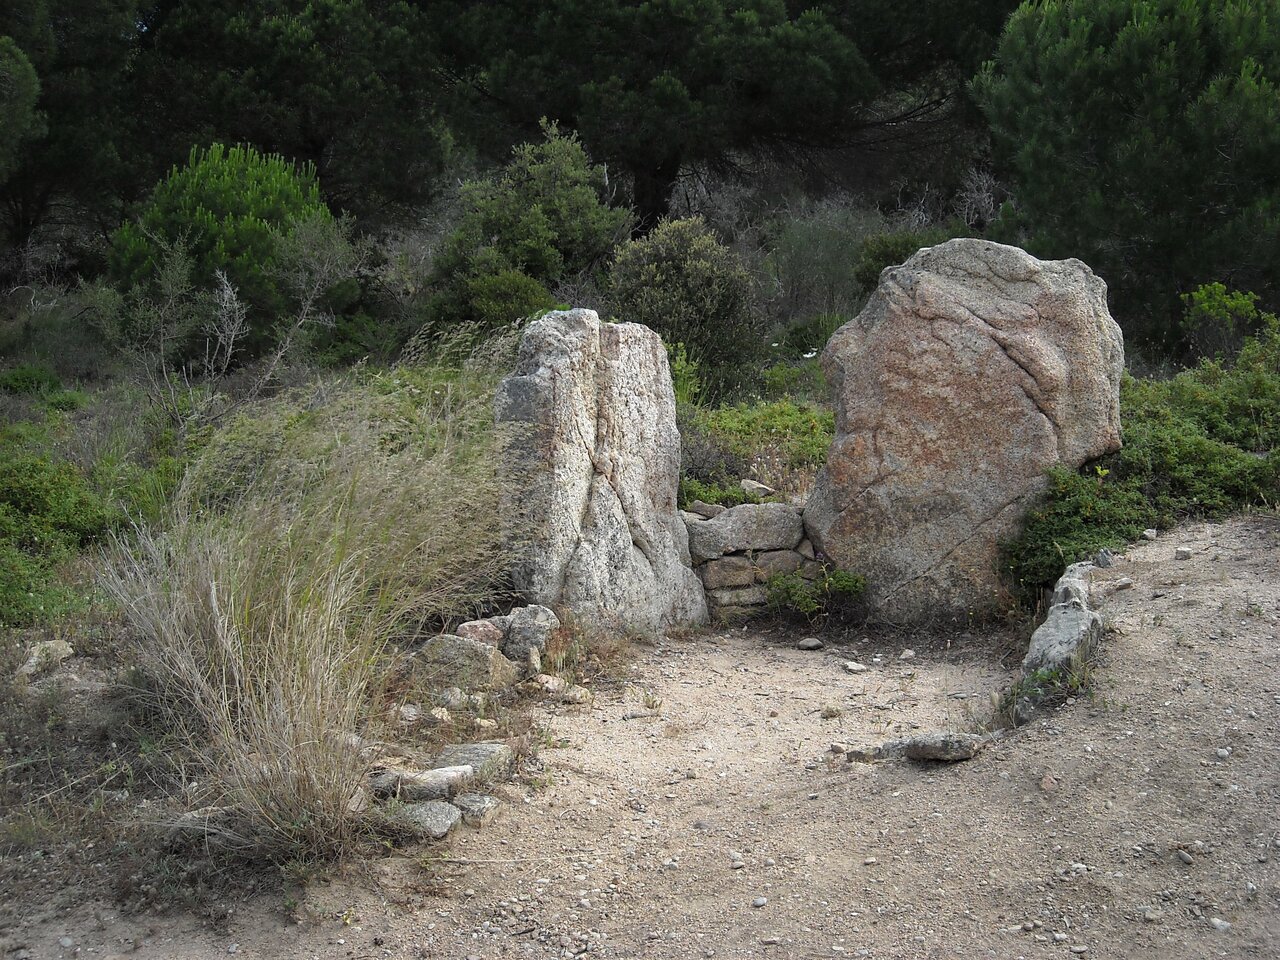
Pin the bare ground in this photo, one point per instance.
(1071, 837)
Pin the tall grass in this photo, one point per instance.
(309, 536)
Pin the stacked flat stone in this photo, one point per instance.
(736, 550)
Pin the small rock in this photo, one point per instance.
(1150, 534)
(809, 643)
(1152, 915)
(1182, 553)
(491, 759)
(1186, 857)
(1079, 949)
(756, 489)
(706, 510)
(45, 655)
(1223, 753)
(66, 943)
(1104, 558)
(432, 818)
(907, 655)
(484, 631)
(1124, 583)
(870, 862)
(852, 666)
(477, 808)
(1060, 938)
(1222, 926)
(411, 786)
(759, 902)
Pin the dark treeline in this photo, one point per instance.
(1139, 135)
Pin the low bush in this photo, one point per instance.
(228, 208)
(795, 435)
(312, 531)
(781, 443)
(832, 593)
(1201, 444)
(896, 247)
(540, 220)
(814, 250)
(48, 511)
(726, 494)
(681, 281)
(30, 379)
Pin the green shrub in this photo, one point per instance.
(801, 380)
(686, 379)
(228, 209)
(800, 433)
(47, 512)
(782, 443)
(894, 248)
(542, 219)
(1217, 320)
(809, 337)
(813, 254)
(833, 592)
(727, 494)
(684, 283)
(30, 378)
(1198, 445)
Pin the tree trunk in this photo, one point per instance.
(651, 189)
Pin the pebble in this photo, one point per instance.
(1124, 583)
(1151, 914)
(1182, 553)
(1060, 938)
(907, 654)
(1223, 753)
(1150, 533)
(759, 902)
(66, 943)
(809, 643)
(1186, 857)
(1079, 948)
(852, 666)
(1222, 926)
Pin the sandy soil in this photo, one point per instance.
(1071, 837)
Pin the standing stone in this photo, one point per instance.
(973, 369)
(591, 466)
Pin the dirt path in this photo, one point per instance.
(720, 828)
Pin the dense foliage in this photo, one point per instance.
(1198, 445)
(681, 281)
(543, 218)
(1142, 137)
(228, 210)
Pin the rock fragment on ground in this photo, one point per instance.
(491, 759)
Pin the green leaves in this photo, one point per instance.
(226, 209)
(542, 219)
(681, 281)
(1142, 135)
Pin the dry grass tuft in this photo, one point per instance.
(310, 534)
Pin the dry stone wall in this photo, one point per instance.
(735, 551)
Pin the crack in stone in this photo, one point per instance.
(933, 566)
